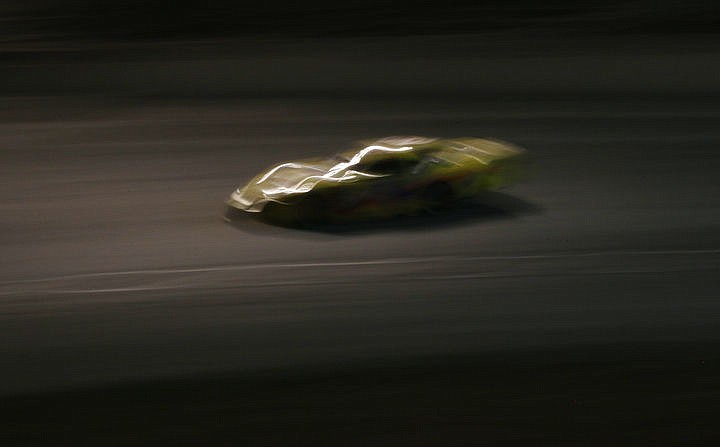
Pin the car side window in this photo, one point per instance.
(392, 166)
(425, 164)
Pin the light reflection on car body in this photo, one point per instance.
(386, 177)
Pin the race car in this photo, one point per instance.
(382, 178)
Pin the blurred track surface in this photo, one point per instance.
(579, 307)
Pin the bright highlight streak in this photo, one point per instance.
(332, 175)
(284, 165)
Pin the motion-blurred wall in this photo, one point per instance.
(57, 47)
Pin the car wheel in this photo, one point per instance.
(314, 209)
(437, 195)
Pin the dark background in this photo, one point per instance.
(577, 308)
(150, 20)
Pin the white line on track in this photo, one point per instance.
(371, 262)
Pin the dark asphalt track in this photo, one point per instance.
(578, 308)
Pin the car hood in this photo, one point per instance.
(283, 180)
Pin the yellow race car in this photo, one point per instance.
(382, 178)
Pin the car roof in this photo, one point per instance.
(399, 145)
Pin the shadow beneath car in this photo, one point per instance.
(489, 206)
